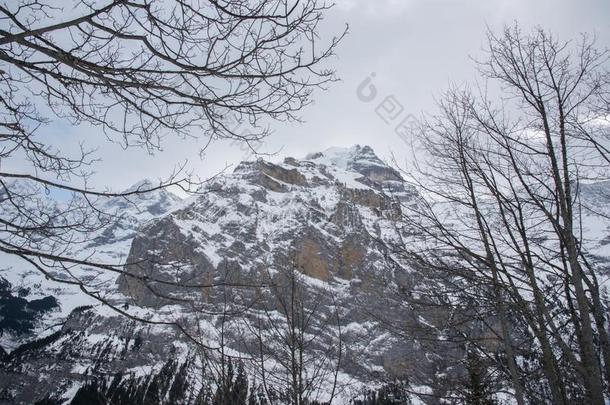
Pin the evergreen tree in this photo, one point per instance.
(239, 392)
(477, 390)
(229, 376)
(179, 388)
(224, 392)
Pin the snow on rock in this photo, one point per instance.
(333, 215)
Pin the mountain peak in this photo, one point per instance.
(346, 157)
(358, 159)
(356, 167)
(145, 202)
(142, 185)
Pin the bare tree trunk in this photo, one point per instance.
(600, 323)
(591, 363)
(512, 365)
(564, 196)
(508, 346)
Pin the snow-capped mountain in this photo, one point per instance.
(333, 211)
(333, 216)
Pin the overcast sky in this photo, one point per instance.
(415, 48)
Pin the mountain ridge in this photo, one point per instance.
(331, 219)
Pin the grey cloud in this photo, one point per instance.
(415, 47)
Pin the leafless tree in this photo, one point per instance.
(298, 343)
(504, 212)
(138, 71)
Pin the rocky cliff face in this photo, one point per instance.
(333, 218)
(334, 212)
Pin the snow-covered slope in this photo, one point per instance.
(108, 245)
(333, 205)
(334, 216)
(331, 214)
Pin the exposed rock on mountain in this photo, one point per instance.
(333, 211)
(332, 218)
